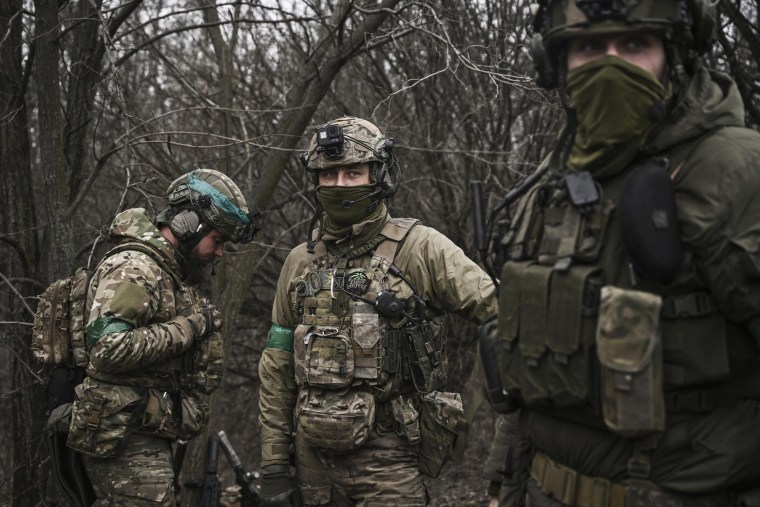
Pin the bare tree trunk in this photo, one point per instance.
(58, 243)
(19, 256)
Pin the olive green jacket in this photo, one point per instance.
(715, 168)
(445, 278)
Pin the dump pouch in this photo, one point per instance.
(335, 420)
(628, 345)
(102, 418)
(649, 221)
(440, 416)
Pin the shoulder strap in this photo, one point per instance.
(394, 231)
(135, 246)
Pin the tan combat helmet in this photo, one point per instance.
(687, 24)
(349, 140)
(206, 199)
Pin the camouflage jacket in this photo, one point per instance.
(139, 338)
(445, 279)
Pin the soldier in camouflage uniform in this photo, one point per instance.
(353, 374)
(154, 346)
(629, 316)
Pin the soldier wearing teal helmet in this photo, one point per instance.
(629, 317)
(154, 347)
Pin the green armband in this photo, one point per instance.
(280, 338)
(102, 327)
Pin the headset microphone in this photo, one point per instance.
(348, 204)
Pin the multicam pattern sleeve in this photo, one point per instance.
(277, 396)
(129, 288)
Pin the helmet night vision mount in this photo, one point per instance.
(347, 141)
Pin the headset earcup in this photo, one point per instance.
(185, 224)
(546, 71)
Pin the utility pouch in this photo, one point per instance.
(407, 418)
(424, 360)
(194, 415)
(335, 420)
(158, 414)
(440, 416)
(102, 418)
(629, 350)
(328, 358)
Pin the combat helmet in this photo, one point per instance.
(686, 25)
(350, 140)
(206, 199)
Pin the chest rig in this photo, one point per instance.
(550, 289)
(563, 244)
(362, 324)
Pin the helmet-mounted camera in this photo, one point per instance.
(330, 141)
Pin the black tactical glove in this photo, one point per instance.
(207, 320)
(278, 488)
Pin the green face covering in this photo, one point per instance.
(338, 216)
(612, 99)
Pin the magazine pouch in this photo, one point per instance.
(630, 353)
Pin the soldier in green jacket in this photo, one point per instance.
(629, 314)
(353, 377)
(154, 346)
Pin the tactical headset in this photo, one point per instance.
(698, 15)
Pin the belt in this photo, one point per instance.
(572, 488)
(575, 489)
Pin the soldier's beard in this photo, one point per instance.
(196, 269)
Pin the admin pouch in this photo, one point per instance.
(336, 420)
(324, 357)
(102, 418)
(440, 422)
(630, 353)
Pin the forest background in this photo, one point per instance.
(103, 103)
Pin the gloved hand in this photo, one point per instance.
(207, 320)
(278, 488)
